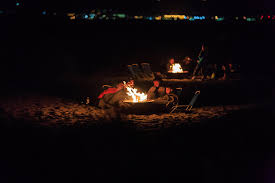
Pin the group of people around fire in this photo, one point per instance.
(115, 96)
(200, 66)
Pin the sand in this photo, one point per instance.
(52, 111)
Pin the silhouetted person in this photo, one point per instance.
(170, 64)
(167, 97)
(188, 65)
(155, 91)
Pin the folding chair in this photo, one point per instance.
(132, 72)
(187, 107)
(147, 70)
(138, 72)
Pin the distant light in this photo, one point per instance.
(174, 17)
(138, 17)
(103, 16)
(17, 4)
(86, 16)
(71, 15)
(119, 15)
(43, 12)
(262, 17)
(237, 18)
(199, 17)
(268, 17)
(251, 19)
(219, 18)
(92, 16)
(158, 17)
(191, 18)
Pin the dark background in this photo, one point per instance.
(47, 47)
(196, 6)
(36, 51)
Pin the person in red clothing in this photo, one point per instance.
(111, 90)
(106, 96)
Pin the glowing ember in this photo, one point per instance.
(136, 96)
(176, 68)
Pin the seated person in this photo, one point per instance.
(112, 96)
(188, 64)
(226, 72)
(168, 97)
(111, 90)
(220, 72)
(170, 64)
(155, 91)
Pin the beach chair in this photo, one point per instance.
(138, 72)
(147, 70)
(132, 72)
(187, 107)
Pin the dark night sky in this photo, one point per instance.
(205, 7)
(211, 6)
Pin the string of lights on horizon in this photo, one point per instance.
(98, 15)
(104, 14)
(109, 15)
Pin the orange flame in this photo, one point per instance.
(136, 96)
(176, 68)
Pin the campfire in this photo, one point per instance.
(136, 96)
(176, 68)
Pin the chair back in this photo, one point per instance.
(132, 72)
(147, 70)
(138, 71)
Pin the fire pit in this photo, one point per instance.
(176, 71)
(141, 102)
(138, 103)
(175, 68)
